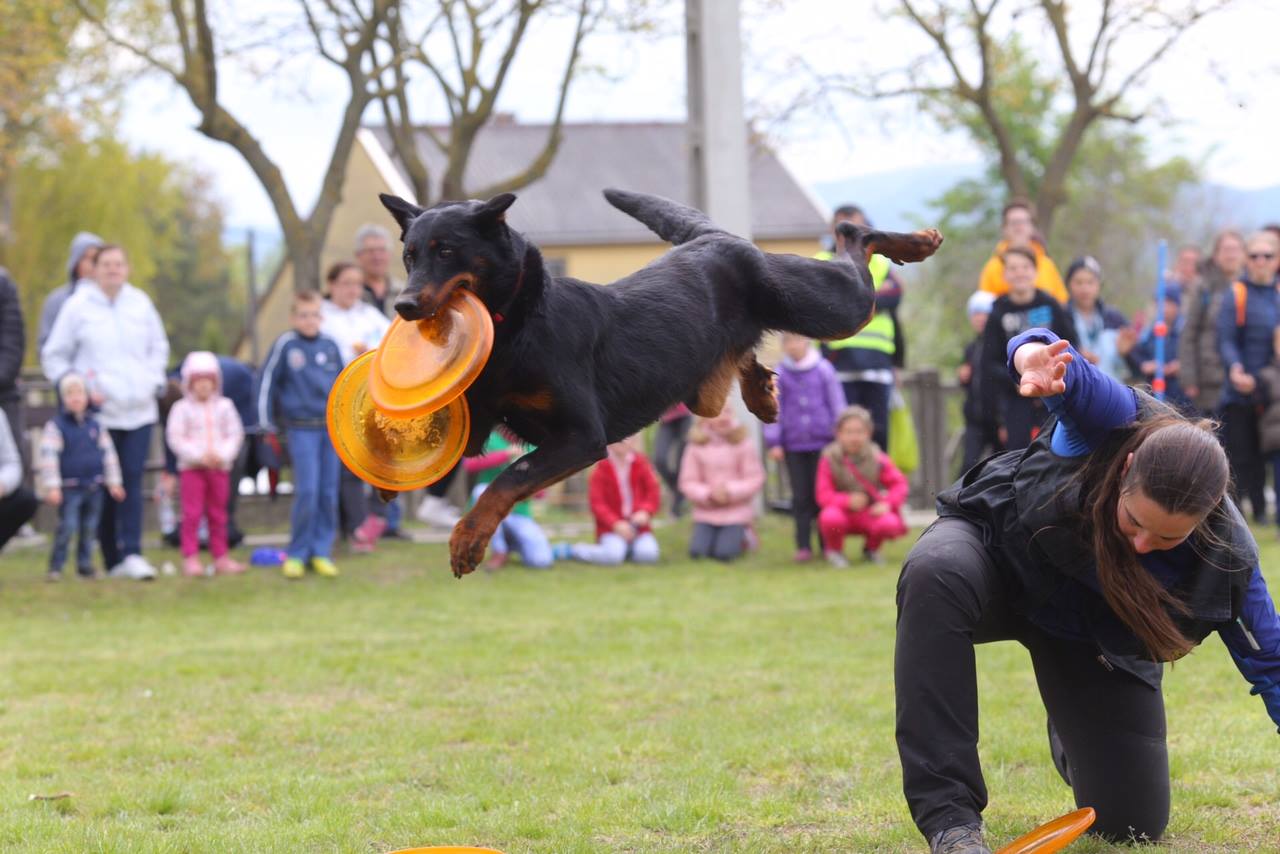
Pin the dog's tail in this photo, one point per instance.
(672, 221)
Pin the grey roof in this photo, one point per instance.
(565, 206)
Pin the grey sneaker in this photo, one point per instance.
(964, 839)
(134, 567)
(836, 559)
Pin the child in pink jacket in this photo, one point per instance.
(204, 432)
(859, 489)
(720, 474)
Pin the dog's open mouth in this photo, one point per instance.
(428, 300)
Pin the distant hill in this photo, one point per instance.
(899, 200)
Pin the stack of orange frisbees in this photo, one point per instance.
(397, 416)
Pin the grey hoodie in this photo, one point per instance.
(80, 244)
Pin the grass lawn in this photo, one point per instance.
(688, 707)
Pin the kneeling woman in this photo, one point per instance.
(1105, 548)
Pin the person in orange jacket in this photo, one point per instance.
(1019, 229)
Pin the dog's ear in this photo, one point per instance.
(404, 212)
(494, 211)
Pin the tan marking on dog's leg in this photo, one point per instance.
(759, 391)
(714, 390)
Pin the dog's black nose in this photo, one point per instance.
(408, 308)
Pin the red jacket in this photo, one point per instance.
(605, 497)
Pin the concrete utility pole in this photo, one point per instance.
(718, 176)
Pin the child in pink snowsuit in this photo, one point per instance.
(859, 489)
(204, 432)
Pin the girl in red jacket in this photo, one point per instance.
(623, 493)
(859, 489)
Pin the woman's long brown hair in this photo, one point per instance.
(1180, 466)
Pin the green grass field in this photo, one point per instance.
(685, 708)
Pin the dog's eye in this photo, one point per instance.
(444, 252)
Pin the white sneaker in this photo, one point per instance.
(134, 567)
(436, 511)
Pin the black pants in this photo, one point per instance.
(874, 397)
(802, 472)
(951, 596)
(1021, 416)
(980, 439)
(16, 509)
(1244, 452)
(441, 487)
(353, 503)
(668, 448)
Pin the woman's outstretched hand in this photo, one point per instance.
(1042, 368)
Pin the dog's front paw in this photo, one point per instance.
(467, 545)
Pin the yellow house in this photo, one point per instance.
(563, 212)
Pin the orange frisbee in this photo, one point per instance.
(422, 365)
(387, 451)
(1054, 836)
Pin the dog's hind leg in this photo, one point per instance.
(759, 391)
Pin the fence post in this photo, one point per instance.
(929, 410)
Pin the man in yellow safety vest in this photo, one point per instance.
(865, 362)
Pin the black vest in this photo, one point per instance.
(1029, 505)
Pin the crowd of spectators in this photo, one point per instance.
(102, 344)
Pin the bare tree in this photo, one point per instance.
(344, 32)
(961, 76)
(475, 30)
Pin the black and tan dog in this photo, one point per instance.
(576, 365)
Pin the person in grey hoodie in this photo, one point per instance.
(84, 251)
(109, 332)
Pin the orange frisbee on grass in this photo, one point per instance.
(1054, 836)
(421, 365)
(393, 452)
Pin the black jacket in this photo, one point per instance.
(13, 338)
(1029, 505)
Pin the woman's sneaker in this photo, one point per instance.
(433, 510)
(134, 567)
(964, 839)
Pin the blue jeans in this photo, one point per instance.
(120, 528)
(313, 522)
(80, 513)
(520, 534)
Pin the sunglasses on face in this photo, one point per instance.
(1261, 256)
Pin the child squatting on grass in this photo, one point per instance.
(76, 463)
(1107, 547)
(624, 495)
(293, 395)
(720, 475)
(860, 490)
(205, 434)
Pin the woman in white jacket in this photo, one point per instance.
(357, 327)
(109, 332)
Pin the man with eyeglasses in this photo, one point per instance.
(1247, 325)
(1018, 228)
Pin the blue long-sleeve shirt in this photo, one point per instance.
(294, 388)
(1091, 406)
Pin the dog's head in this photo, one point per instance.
(453, 245)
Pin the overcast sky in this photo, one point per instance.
(1217, 90)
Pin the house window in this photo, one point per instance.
(555, 267)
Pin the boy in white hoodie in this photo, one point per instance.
(204, 432)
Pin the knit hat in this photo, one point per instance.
(200, 363)
(71, 380)
(980, 302)
(1084, 262)
(80, 244)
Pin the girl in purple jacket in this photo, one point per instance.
(809, 400)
